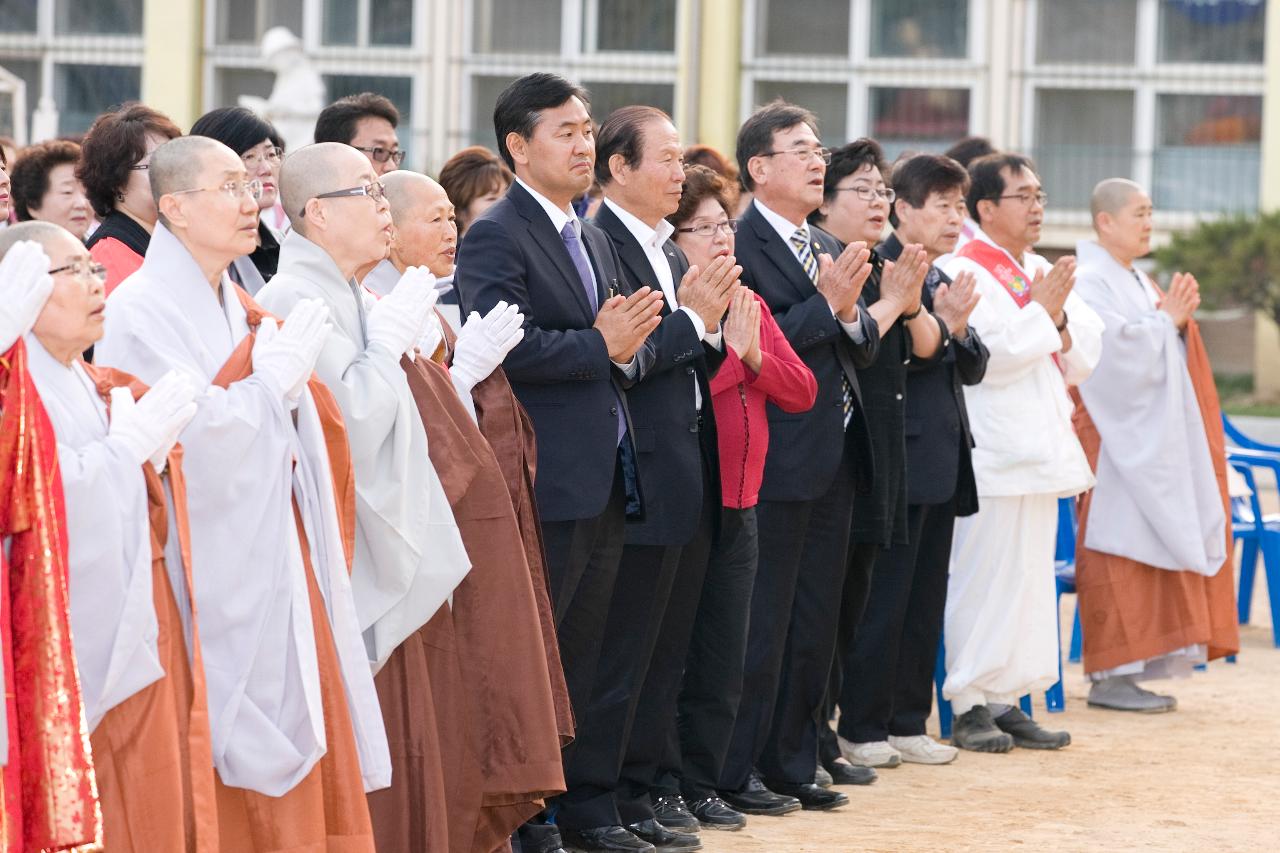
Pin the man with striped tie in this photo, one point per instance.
(816, 462)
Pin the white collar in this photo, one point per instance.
(785, 227)
(649, 238)
(558, 215)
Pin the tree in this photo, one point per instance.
(1236, 260)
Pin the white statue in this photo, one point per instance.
(298, 95)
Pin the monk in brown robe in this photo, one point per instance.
(1154, 553)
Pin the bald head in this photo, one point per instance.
(408, 191)
(1111, 195)
(1122, 219)
(180, 164)
(426, 233)
(52, 238)
(316, 169)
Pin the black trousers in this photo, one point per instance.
(888, 668)
(583, 558)
(795, 610)
(863, 562)
(713, 671)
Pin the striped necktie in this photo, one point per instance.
(804, 252)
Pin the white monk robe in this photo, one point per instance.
(409, 555)
(1001, 614)
(1156, 500)
(246, 463)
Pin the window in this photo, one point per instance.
(609, 96)
(484, 94)
(391, 22)
(1082, 136)
(28, 71)
(99, 17)
(515, 26)
(829, 102)
(1228, 31)
(246, 21)
(341, 22)
(918, 120)
(230, 83)
(919, 29)
(85, 91)
(625, 25)
(368, 22)
(1079, 31)
(18, 16)
(1208, 153)
(803, 28)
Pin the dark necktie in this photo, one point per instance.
(573, 244)
(800, 240)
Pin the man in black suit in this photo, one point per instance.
(584, 340)
(816, 462)
(892, 659)
(633, 718)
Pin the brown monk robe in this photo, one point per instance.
(1130, 611)
(157, 741)
(514, 737)
(249, 820)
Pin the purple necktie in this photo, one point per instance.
(574, 246)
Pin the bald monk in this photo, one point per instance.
(409, 555)
(144, 699)
(297, 733)
(1153, 561)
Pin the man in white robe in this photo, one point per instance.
(1153, 566)
(1001, 620)
(256, 460)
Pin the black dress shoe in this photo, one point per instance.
(822, 778)
(540, 838)
(843, 773)
(1027, 733)
(671, 811)
(715, 813)
(662, 838)
(759, 800)
(811, 797)
(608, 839)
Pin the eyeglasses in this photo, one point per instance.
(139, 167)
(83, 269)
(804, 155)
(231, 189)
(271, 155)
(1028, 199)
(709, 229)
(869, 193)
(382, 155)
(373, 191)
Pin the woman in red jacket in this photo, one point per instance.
(759, 368)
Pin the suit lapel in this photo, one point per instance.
(551, 243)
(779, 253)
(629, 251)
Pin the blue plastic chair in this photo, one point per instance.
(1257, 534)
(1239, 439)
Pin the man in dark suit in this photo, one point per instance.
(584, 340)
(892, 659)
(633, 717)
(816, 462)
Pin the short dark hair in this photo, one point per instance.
(755, 137)
(337, 122)
(985, 180)
(471, 173)
(623, 133)
(116, 141)
(916, 178)
(700, 184)
(30, 174)
(846, 160)
(237, 128)
(520, 105)
(969, 149)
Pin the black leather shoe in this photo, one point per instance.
(759, 800)
(822, 778)
(1027, 733)
(662, 838)
(811, 797)
(671, 812)
(843, 773)
(605, 839)
(540, 838)
(715, 813)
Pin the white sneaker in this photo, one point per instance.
(874, 754)
(922, 749)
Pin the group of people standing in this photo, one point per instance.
(327, 530)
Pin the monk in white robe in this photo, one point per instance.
(1001, 618)
(297, 732)
(1153, 563)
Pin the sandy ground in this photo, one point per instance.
(1204, 778)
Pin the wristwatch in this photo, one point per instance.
(1063, 326)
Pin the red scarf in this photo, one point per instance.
(1004, 269)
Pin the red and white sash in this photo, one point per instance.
(1005, 270)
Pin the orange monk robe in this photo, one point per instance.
(1134, 612)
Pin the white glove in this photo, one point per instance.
(25, 285)
(399, 318)
(484, 342)
(150, 427)
(287, 355)
(431, 337)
